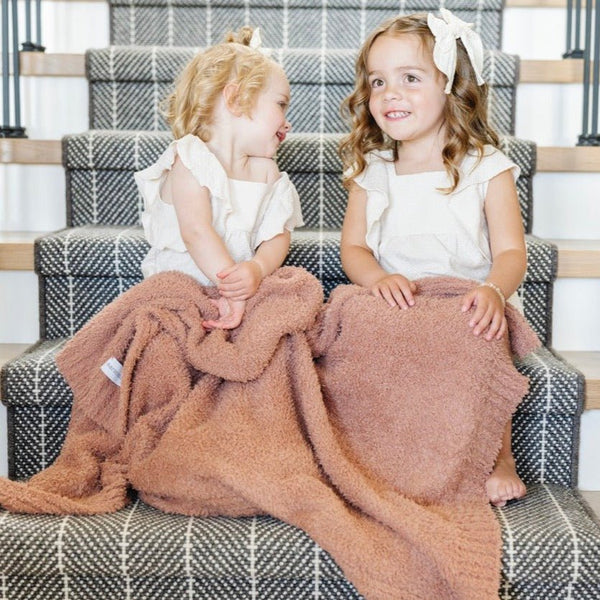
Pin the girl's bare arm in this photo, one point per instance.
(507, 238)
(509, 259)
(358, 261)
(194, 215)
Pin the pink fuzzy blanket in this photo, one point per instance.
(371, 428)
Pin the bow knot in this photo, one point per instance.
(256, 43)
(446, 31)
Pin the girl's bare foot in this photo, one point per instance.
(504, 484)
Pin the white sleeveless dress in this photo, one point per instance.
(417, 231)
(244, 213)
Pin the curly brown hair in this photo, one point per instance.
(189, 108)
(465, 112)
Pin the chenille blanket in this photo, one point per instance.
(371, 428)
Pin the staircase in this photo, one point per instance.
(551, 541)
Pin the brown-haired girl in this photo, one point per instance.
(430, 193)
(215, 204)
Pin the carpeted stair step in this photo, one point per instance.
(545, 437)
(297, 23)
(100, 164)
(142, 553)
(84, 268)
(127, 85)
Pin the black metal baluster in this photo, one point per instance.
(18, 130)
(591, 77)
(574, 27)
(14, 128)
(5, 69)
(28, 45)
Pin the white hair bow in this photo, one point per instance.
(256, 43)
(446, 31)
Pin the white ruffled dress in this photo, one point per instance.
(244, 213)
(417, 231)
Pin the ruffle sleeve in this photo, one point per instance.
(158, 218)
(205, 167)
(150, 179)
(493, 162)
(282, 211)
(374, 180)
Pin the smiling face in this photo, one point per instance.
(407, 97)
(268, 125)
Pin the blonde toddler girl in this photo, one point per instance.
(215, 204)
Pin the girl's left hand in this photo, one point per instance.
(488, 314)
(230, 314)
(240, 281)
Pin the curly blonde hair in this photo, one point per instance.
(190, 107)
(465, 112)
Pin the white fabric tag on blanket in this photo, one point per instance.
(112, 368)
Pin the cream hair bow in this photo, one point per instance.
(446, 31)
(256, 43)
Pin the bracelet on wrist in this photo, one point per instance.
(497, 290)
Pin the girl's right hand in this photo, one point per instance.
(241, 280)
(396, 290)
(230, 314)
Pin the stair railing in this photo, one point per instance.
(28, 45)
(591, 75)
(11, 86)
(10, 37)
(574, 13)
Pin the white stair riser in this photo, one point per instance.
(549, 114)
(589, 451)
(3, 444)
(565, 205)
(54, 106)
(575, 315)
(535, 33)
(573, 297)
(33, 197)
(19, 321)
(71, 26)
(74, 26)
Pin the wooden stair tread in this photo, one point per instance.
(16, 250)
(589, 364)
(42, 64)
(576, 258)
(578, 159)
(538, 3)
(33, 152)
(569, 159)
(509, 3)
(593, 499)
(48, 64)
(552, 71)
(10, 351)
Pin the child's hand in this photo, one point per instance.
(396, 290)
(230, 314)
(488, 314)
(240, 281)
